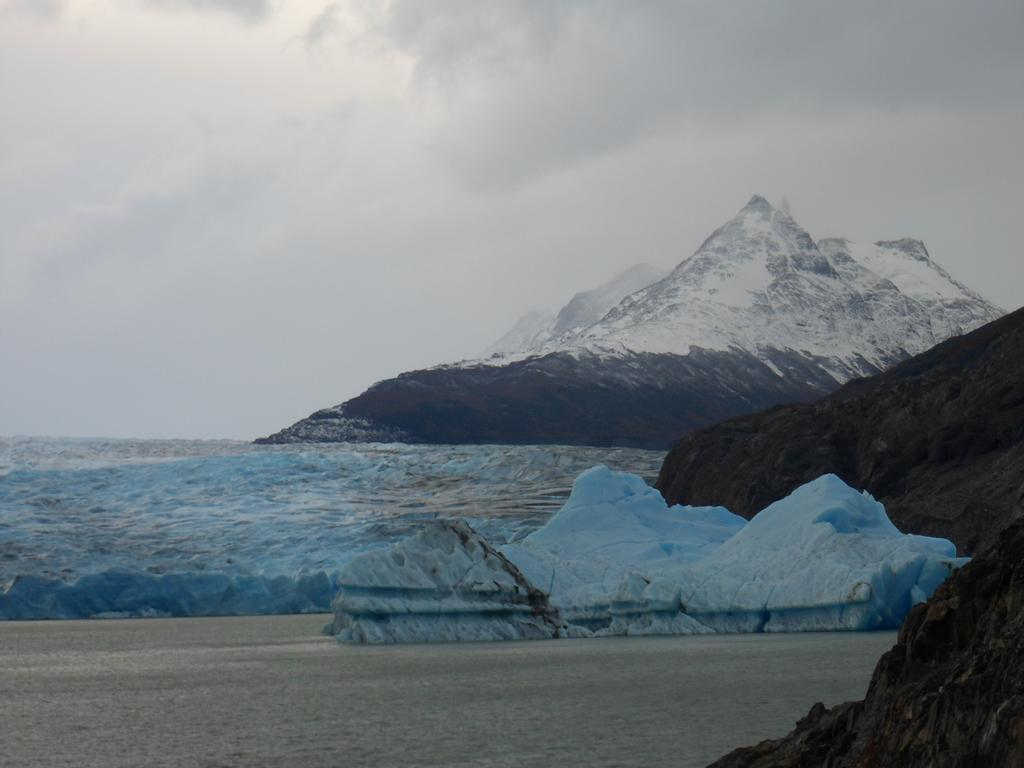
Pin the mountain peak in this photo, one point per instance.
(761, 283)
(760, 241)
(758, 203)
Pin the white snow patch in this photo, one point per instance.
(914, 277)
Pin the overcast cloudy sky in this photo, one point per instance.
(219, 215)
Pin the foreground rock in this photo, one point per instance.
(950, 694)
(939, 439)
(617, 561)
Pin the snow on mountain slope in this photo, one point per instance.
(588, 307)
(531, 331)
(760, 283)
(952, 308)
(535, 329)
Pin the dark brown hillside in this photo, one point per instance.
(643, 400)
(939, 439)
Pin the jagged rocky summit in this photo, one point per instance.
(761, 314)
(939, 439)
(616, 560)
(950, 694)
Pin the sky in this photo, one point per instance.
(217, 216)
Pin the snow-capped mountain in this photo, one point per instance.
(760, 283)
(536, 329)
(760, 314)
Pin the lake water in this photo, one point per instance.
(272, 691)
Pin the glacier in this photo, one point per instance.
(179, 528)
(616, 560)
(112, 528)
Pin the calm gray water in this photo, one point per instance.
(272, 691)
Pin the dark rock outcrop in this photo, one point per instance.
(641, 400)
(950, 694)
(939, 439)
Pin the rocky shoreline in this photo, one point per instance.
(950, 694)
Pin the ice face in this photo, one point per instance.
(615, 560)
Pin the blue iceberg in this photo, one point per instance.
(616, 560)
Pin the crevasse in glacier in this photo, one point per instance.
(615, 560)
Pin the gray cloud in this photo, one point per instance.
(323, 25)
(40, 10)
(266, 232)
(247, 10)
(541, 86)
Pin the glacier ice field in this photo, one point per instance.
(174, 528)
(426, 543)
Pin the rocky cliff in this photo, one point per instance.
(950, 694)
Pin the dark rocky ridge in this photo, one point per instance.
(939, 439)
(640, 400)
(950, 694)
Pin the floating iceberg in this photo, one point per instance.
(826, 557)
(614, 525)
(445, 583)
(616, 560)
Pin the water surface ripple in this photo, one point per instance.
(270, 691)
